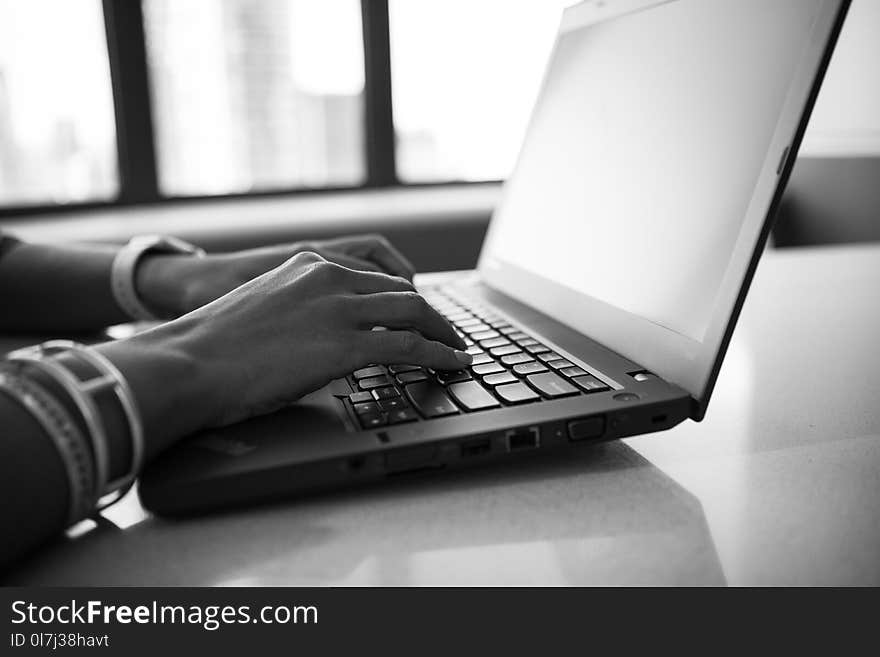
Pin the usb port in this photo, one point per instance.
(526, 438)
(476, 447)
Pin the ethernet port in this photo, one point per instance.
(523, 438)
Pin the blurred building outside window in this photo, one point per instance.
(256, 94)
(57, 126)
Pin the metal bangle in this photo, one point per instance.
(72, 446)
(124, 395)
(125, 264)
(82, 392)
(84, 404)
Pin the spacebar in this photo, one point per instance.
(430, 399)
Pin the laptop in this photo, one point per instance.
(610, 279)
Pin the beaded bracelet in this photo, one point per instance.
(72, 446)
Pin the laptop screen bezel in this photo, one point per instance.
(691, 364)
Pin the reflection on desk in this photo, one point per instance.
(779, 485)
(604, 515)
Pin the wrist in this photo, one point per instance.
(174, 388)
(162, 281)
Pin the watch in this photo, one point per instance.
(125, 265)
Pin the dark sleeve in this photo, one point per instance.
(33, 483)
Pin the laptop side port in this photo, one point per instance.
(523, 438)
(478, 447)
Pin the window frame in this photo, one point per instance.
(135, 134)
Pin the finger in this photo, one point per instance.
(349, 261)
(380, 251)
(406, 310)
(367, 282)
(408, 347)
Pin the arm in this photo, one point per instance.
(57, 288)
(308, 315)
(67, 288)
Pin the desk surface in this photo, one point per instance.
(779, 485)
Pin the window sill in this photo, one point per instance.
(412, 218)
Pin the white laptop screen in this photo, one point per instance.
(643, 155)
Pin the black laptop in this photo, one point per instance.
(612, 274)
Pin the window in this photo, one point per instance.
(465, 75)
(256, 94)
(57, 130)
(133, 101)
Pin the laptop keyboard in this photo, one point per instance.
(510, 367)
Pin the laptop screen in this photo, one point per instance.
(642, 158)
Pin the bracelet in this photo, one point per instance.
(83, 394)
(64, 433)
(112, 377)
(122, 272)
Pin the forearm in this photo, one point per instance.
(57, 288)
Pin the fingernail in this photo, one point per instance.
(463, 358)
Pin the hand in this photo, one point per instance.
(281, 335)
(171, 285)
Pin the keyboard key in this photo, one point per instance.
(516, 393)
(372, 420)
(392, 404)
(508, 331)
(473, 350)
(516, 359)
(499, 324)
(367, 407)
(453, 377)
(518, 335)
(385, 393)
(526, 342)
(459, 316)
(560, 364)
(472, 396)
(430, 399)
(402, 415)
(367, 372)
(360, 397)
(529, 368)
(486, 335)
(547, 356)
(476, 328)
(537, 349)
(494, 342)
(488, 368)
(551, 385)
(375, 382)
(398, 369)
(470, 320)
(590, 383)
(411, 377)
(479, 359)
(499, 379)
(505, 351)
(572, 371)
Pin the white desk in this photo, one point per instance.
(779, 485)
